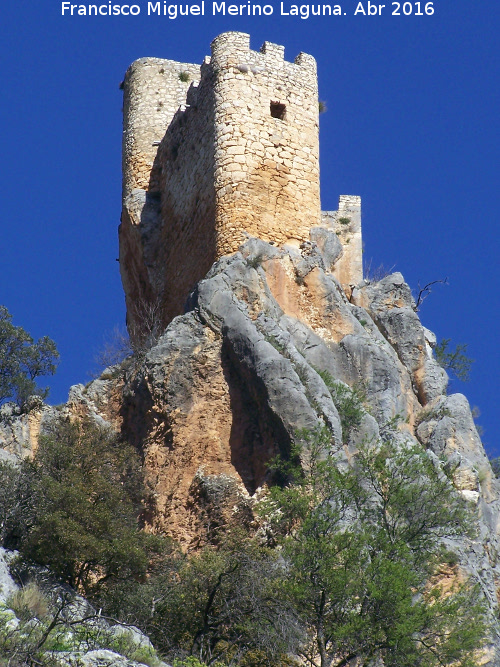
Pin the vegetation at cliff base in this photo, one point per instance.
(347, 567)
(219, 605)
(364, 545)
(343, 565)
(81, 497)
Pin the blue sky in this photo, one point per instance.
(411, 126)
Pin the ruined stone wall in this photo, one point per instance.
(154, 90)
(346, 222)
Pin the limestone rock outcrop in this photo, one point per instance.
(231, 381)
(7, 584)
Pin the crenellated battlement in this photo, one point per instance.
(232, 49)
(211, 154)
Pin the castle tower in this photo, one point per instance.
(267, 149)
(211, 154)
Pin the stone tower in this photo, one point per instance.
(212, 154)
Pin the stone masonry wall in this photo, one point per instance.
(153, 91)
(185, 167)
(346, 222)
(267, 150)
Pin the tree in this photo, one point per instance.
(9, 480)
(86, 492)
(456, 361)
(22, 361)
(233, 608)
(363, 543)
(218, 605)
(16, 503)
(425, 291)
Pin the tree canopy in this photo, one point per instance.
(86, 491)
(364, 546)
(22, 361)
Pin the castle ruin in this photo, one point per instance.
(212, 155)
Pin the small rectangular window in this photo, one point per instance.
(278, 110)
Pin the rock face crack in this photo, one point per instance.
(257, 433)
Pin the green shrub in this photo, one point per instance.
(276, 344)
(432, 414)
(349, 401)
(86, 493)
(255, 261)
(455, 361)
(125, 645)
(189, 661)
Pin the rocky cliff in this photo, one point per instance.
(229, 383)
